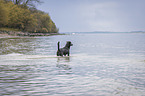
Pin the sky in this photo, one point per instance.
(96, 15)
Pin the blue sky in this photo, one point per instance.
(96, 15)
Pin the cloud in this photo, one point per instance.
(112, 16)
(101, 16)
(97, 15)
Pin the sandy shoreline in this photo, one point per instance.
(9, 34)
(6, 36)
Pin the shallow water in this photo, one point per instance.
(101, 64)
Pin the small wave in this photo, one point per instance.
(17, 56)
(14, 54)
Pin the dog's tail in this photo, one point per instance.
(58, 45)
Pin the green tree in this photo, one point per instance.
(3, 14)
(19, 16)
(45, 24)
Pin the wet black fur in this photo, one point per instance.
(65, 50)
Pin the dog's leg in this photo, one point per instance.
(61, 54)
(68, 53)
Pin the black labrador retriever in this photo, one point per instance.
(65, 50)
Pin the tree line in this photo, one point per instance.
(22, 15)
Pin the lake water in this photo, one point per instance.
(101, 64)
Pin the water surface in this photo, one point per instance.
(101, 64)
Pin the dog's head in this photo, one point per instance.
(68, 44)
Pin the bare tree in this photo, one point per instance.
(30, 3)
(17, 2)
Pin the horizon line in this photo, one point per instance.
(105, 32)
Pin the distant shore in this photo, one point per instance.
(5, 34)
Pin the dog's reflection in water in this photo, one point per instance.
(63, 59)
(63, 63)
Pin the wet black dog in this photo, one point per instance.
(65, 50)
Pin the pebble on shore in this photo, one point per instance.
(5, 33)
